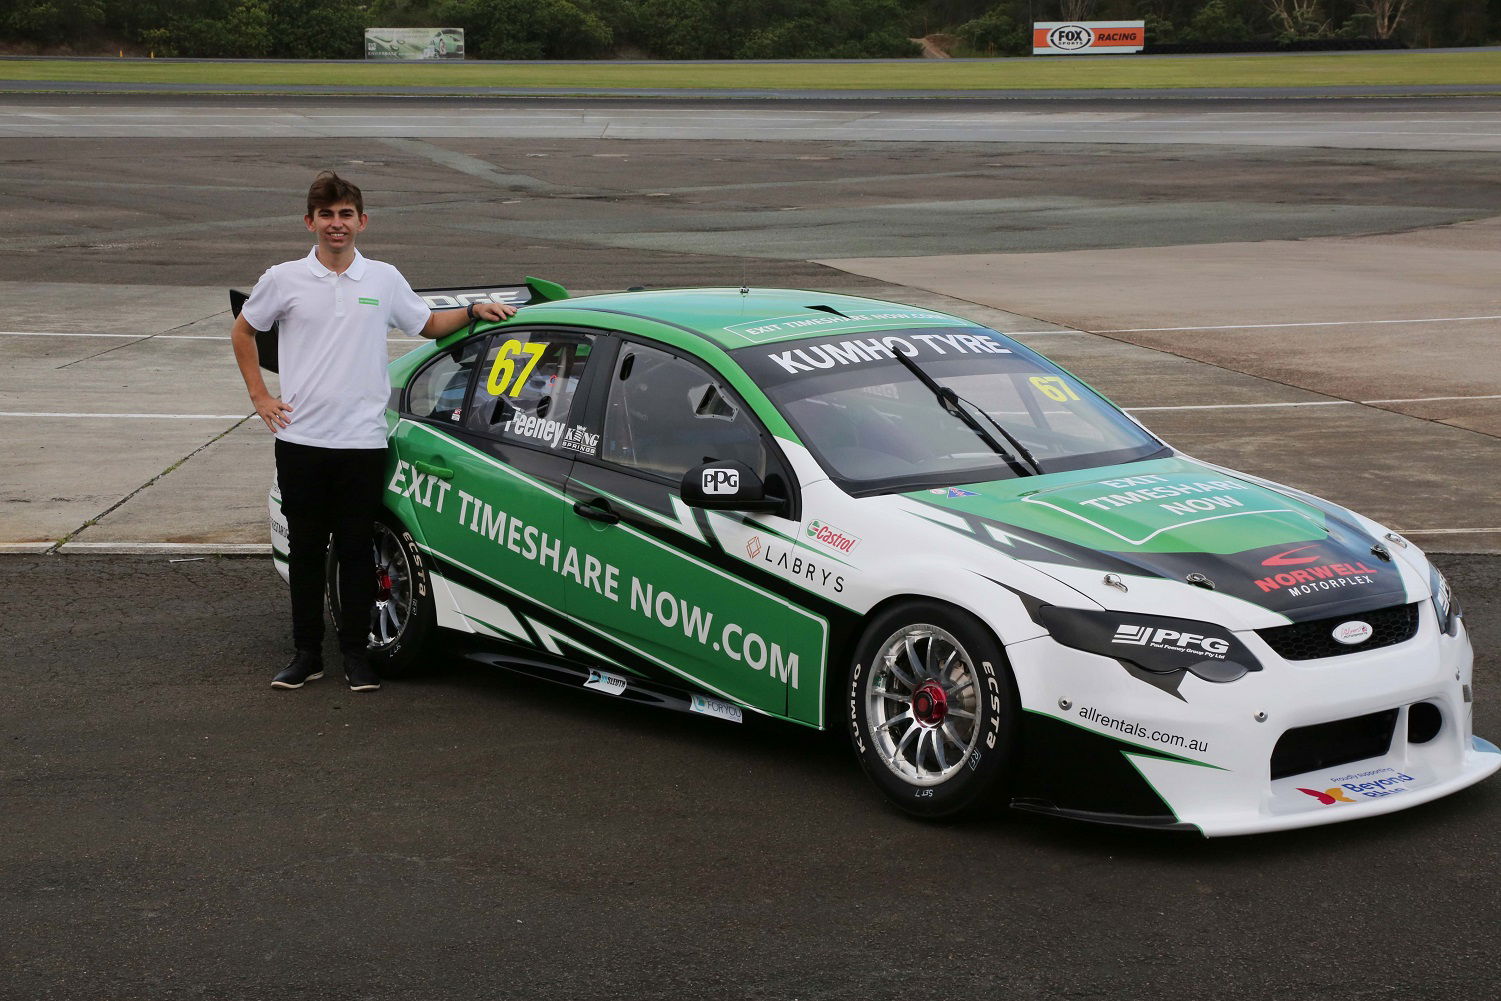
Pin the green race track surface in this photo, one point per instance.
(1344, 69)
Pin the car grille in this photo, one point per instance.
(1326, 745)
(1309, 640)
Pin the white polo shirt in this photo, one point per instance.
(332, 344)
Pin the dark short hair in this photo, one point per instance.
(331, 189)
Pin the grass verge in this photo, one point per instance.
(1061, 73)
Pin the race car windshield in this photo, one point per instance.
(875, 425)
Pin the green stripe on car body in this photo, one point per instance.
(779, 617)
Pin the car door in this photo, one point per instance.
(678, 599)
(484, 471)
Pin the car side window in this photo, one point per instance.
(665, 415)
(437, 392)
(526, 385)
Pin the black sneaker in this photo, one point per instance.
(360, 675)
(305, 666)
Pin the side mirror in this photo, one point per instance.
(727, 486)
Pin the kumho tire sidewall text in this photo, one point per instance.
(980, 781)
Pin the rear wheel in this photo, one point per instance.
(402, 618)
(931, 709)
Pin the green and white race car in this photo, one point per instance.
(842, 512)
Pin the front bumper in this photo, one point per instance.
(1122, 750)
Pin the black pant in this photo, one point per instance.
(330, 491)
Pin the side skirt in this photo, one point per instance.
(627, 688)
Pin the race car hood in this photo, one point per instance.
(1179, 520)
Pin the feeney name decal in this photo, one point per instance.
(545, 430)
(553, 434)
(668, 611)
(858, 351)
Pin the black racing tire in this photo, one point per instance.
(402, 620)
(932, 710)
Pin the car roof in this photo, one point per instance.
(736, 318)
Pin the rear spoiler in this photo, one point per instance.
(535, 290)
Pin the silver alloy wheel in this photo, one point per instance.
(393, 589)
(922, 699)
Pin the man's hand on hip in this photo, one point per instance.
(273, 412)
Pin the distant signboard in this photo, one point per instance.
(1073, 38)
(414, 43)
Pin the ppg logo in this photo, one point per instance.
(1070, 36)
(721, 481)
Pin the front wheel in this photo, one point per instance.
(931, 709)
(402, 618)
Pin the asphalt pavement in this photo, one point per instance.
(171, 827)
(175, 828)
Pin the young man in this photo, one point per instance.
(334, 307)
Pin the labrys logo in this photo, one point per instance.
(1329, 796)
(1070, 36)
(753, 547)
(830, 536)
(1291, 558)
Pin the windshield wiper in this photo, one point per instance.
(954, 404)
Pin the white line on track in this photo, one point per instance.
(211, 548)
(1272, 326)
(163, 417)
(1446, 531)
(138, 337)
(1313, 403)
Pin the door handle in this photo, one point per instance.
(427, 468)
(596, 510)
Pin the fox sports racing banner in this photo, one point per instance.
(1074, 38)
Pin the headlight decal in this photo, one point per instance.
(1444, 602)
(1156, 644)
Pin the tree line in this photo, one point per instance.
(706, 29)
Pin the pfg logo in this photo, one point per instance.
(1170, 639)
(721, 481)
(1070, 36)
